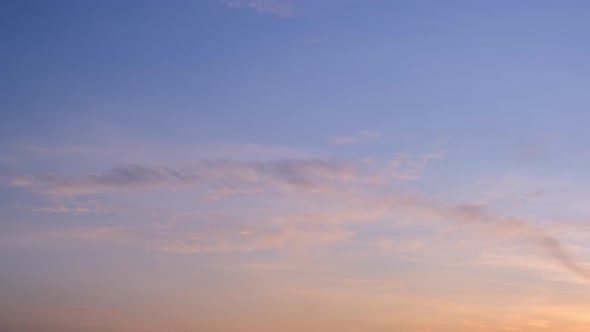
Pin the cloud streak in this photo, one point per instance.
(281, 8)
(556, 249)
(306, 174)
(206, 240)
(327, 227)
(359, 137)
(223, 178)
(479, 217)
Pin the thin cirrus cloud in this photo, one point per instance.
(290, 238)
(478, 217)
(359, 137)
(223, 178)
(467, 217)
(304, 231)
(204, 240)
(309, 174)
(281, 8)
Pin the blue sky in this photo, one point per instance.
(241, 165)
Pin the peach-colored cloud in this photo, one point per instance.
(359, 203)
(478, 217)
(203, 239)
(325, 227)
(292, 238)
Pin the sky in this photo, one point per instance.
(289, 165)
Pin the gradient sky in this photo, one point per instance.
(276, 165)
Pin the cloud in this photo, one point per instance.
(469, 217)
(223, 178)
(355, 199)
(266, 238)
(132, 177)
(89, 233)
(330, 225)
(359, 137)
(281, 8)
(409, 167)
(207, 240)
(556, 249)
(478, 217)
(400, 246)
(71, 207)
(263, 266)
(292, 239)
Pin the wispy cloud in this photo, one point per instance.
(287, 238)
(558, 251)
(281, 8)
(224, 178)
(89, 233)
(70, 207)
(478, 217)
(327, 227)
(354, 199)
(207, 240)
(409, 167)
(359, 137)
(308, 174)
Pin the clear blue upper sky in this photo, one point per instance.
(500, 70)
